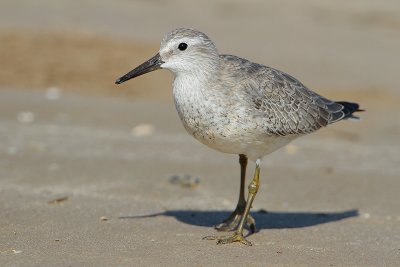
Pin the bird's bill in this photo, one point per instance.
(152, 64)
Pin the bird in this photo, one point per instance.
(236, 106)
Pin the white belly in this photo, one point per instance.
(228, 135)
(254, 146)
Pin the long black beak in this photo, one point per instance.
(153, 63)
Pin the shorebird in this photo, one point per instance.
(239, 107)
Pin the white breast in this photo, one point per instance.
(228, 129)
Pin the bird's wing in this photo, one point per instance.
(283, 103)
(289, 107)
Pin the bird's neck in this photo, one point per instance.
(188, 88)
(193, 86)
(195, 83)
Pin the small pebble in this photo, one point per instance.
(366, 216)
(143, 130)
(185, 180)
(53, 93)
(58, 200)
(292, 149)
(26, 117)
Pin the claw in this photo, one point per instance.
(236, 237)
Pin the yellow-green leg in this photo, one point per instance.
(232, 222)
(238, 234)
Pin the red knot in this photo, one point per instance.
(239, 107)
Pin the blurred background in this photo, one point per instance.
(337, 46)
(78, 153)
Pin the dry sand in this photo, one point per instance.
(86, 166)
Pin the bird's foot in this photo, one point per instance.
(236, 237)
(232, 222)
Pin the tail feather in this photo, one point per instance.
(349, 108)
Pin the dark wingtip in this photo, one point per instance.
(118, 81)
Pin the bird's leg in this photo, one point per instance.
(238, 234)
(232, 222)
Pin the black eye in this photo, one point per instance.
(182, 46)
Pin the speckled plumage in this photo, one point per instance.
(237, 106)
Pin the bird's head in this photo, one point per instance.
(182, 51)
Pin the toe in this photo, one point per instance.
(236, 237)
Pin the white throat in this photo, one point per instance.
(189, 88)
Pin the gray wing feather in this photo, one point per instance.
(297, 109)
(285, 104)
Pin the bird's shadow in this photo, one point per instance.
(264, 219)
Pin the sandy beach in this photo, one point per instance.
(94, 174)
